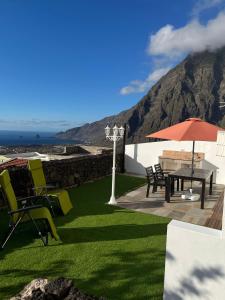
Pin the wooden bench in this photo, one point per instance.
(215, 221)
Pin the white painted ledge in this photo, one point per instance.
(196, 228)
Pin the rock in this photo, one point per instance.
(76, 294)
(59, 288)
(35, 284)
(38, 294)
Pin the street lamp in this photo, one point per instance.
(117, 134)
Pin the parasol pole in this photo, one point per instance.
(192, 162)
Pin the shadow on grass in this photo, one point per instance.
(110, 233)
(91, 198)
(88, 199)
(24, 275)
(23, 237)
(120, 273)
(129, 275)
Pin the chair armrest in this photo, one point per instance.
(43, 190)
(51, 186)
(43, 186)
(27, 198)
(48, 186)
(24, 209)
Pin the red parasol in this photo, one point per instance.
(192, 129)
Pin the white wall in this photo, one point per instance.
(195, 263)
(139, 156)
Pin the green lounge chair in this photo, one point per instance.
(28, 212)
(48, 191)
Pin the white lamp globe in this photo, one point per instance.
(107, 131)
(121, 131)
(115, 130)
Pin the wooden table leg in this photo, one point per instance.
(168, 189)
(211, 184)
(203, 194)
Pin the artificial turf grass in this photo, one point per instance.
(106, 250)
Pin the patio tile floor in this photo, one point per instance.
(178, 209)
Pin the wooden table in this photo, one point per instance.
(186, 174)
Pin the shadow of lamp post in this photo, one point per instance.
(117, 134)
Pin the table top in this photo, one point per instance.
(187, 173)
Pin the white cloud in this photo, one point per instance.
(194, 37)
(157, 74)
(169, 44)
(203, 5)
(140, 86)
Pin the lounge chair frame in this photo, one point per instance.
(23, 212)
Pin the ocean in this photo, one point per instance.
(16, 138)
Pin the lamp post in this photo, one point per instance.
(117, 134)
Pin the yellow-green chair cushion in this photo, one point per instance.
(60, 195)
(35, 167)
(63, 198)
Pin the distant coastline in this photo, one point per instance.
(26, 138)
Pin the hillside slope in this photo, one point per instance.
(194, 88)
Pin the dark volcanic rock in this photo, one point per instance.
(38, 294)
(58, 289)
(194, 88)
(76, 294)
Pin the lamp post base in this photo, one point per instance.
(112, 201)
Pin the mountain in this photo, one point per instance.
(194, 88)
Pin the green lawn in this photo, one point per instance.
(106, 250)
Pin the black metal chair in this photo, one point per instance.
(153, 180)
(161, 174)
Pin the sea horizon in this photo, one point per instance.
(23, 138)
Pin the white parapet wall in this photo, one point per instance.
(195, 263)
(140, 156)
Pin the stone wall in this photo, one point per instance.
(74, 149)
(65, 172)
(69, 172)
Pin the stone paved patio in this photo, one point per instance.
(178, 209)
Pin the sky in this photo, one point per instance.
(65, 63)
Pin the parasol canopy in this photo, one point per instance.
(193, 129)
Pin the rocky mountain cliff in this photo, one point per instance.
(194, 88)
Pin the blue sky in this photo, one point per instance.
(65, 63)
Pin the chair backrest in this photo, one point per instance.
(36, 169)
(159, 172)
(150, 174)
(7, 188)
